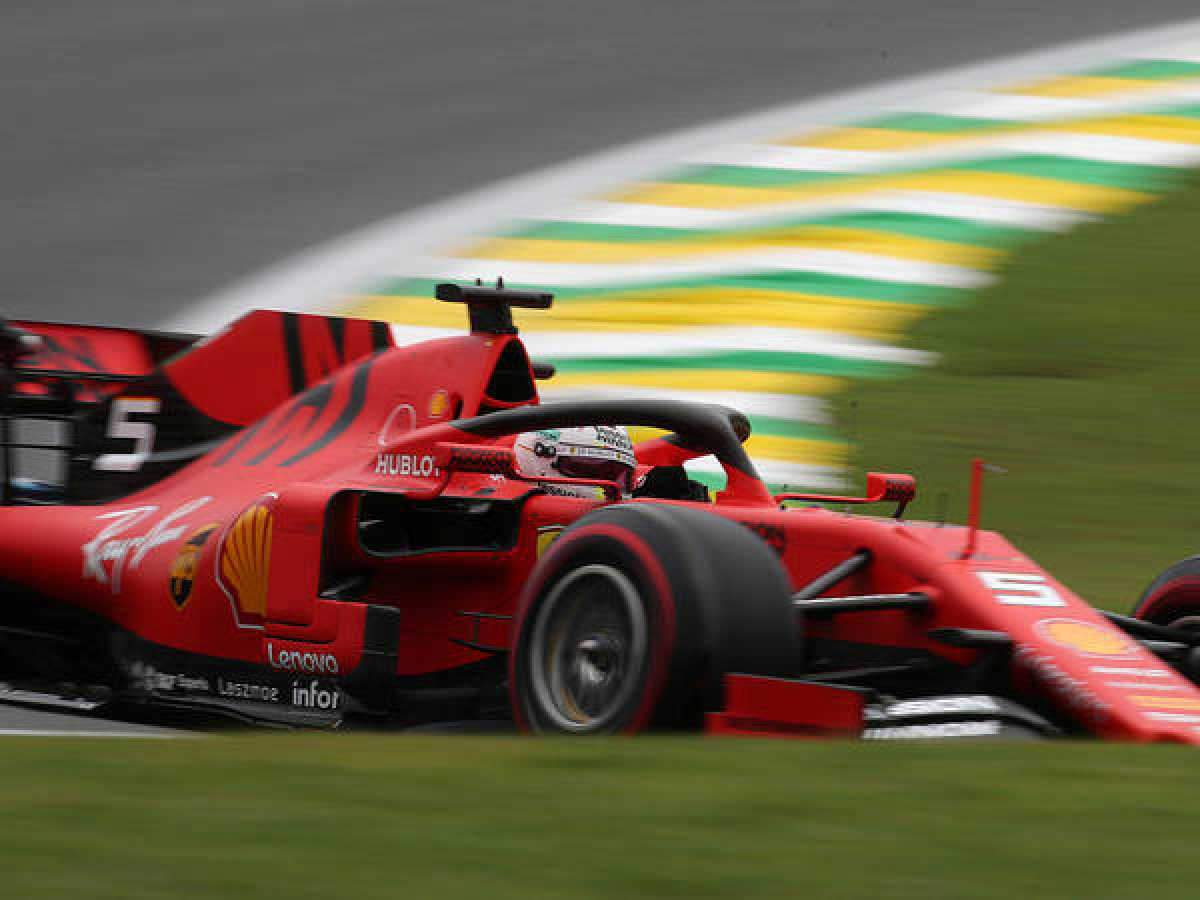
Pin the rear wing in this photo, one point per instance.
(50, 349)
(91, 414)
(51, 371)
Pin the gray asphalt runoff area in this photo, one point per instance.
(152, 151)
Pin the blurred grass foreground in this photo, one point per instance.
(318, 816)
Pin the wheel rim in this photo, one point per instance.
(588, 649)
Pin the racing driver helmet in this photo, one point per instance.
(590, 451)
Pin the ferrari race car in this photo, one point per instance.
(295, 521)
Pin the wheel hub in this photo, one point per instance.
(588, 648)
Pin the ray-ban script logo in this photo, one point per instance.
(111, 552)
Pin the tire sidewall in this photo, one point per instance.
(1176, 592)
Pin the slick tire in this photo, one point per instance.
(632, 617)
(1173, 598)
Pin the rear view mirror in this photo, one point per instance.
(882, 487)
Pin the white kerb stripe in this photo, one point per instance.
(698, 340)
(1039, 108)
(1185, 52)
(1099, 147)
(929, 203)
(801, 159)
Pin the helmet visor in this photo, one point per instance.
(598, 469)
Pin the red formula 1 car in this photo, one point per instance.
(296, 521)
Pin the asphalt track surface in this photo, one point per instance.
(152, 151)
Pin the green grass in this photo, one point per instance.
(317, 816)
(1078, 372)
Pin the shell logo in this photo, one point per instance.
(244, 561)
(439, 402)
(1085, 638)
(546, 535)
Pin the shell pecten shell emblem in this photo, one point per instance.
(244, 561)
(439, 403)
(1085, 638)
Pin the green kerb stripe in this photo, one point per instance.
(736, 360)
(605, 234)
(1187, 111)
(1061, 168)
(1151, 70)
(933, 123)
(768, 425)
(749, 176)
(799, 282)
(1131, 176)
(940, 228)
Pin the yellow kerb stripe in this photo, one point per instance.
(767, 447)
(1177, 129)
(883, 139)
(858, 240)
(705, 380)
(1081, 86)
(730, 306)
(1024, 188)
(1148, 127)
(671, 310)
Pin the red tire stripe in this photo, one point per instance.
(1161, 598)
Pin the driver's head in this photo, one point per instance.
(591, 451)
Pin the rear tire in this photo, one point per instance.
(634, 614)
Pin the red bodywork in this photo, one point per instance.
(249, 559)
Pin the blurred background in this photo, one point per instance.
(156, 150)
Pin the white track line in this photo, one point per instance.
(319, 278)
